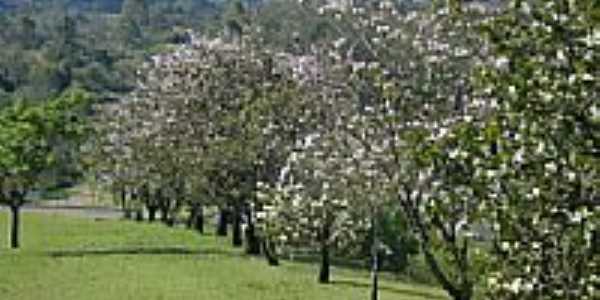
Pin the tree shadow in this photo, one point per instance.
(141, 251)
(396, 290)
(335, 261)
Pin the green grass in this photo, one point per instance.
(71, 258)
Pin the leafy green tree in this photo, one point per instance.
(135, 11)
(28, 32)
(398, 241)
(30, 135)
(133, 21)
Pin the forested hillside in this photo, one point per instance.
(50, 46)
(102, 5)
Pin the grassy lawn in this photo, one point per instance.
(71, 258)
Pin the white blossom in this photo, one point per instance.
(536, 192)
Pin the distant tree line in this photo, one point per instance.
(50, 46)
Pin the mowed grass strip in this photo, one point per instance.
(71, 258)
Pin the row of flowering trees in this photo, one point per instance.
(479, 122)
(201, 129)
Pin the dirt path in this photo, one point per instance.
(74, 207)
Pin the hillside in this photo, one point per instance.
(101, 5)
(12, 4)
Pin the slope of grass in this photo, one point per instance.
(71, 258)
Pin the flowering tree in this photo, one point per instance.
(480, 123)
(518, 168)
(410, 77)
(543, 200)
(316, 202)
(205, 117)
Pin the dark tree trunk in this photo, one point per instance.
(196, 218)
(375, 263)
(135, 213)
(375, 287)
(455, 292)
(462, 292)
(596, 241)
(123, 198)
(151, 213)
(126, 211)
(237, 227)
(463, 295)
(252, 241)
(14, 229)
(164, 214)
(139, 215)
(167, 217)
(170, 222)
(147, 200)
(199, 221)
(269, 251)
(222, 223)
(163, 204)
(324, 271)
(192, 217)
(178, 200)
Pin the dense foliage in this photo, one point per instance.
(466, 133)
(36, 140)
(50, 46)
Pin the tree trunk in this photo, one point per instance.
(192, 217)
(171, 222)
(237, 227)
(14, 229)
(123, 199)
(464, 295)
(375, 279)
(324, 272)
(375, 261)
(596, 241)
(269, 251)
(164, 214)
(457, 293)
(169, 218)
(126, 212)
(252, 241)
(199, 221)
(139, 215)
(151, 213)
(451, 289)
(222, 223)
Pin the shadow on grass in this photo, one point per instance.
(396, 290)
(141, 251)
(344, 263)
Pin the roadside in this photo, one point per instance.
(80, 202)
(62, 207)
